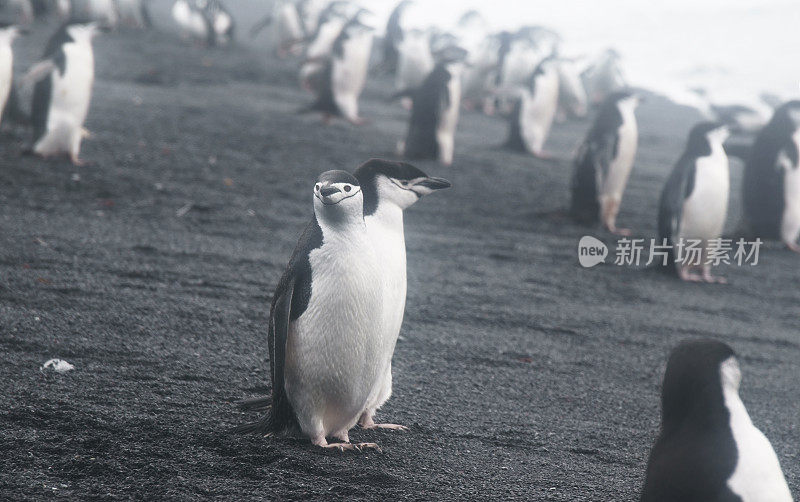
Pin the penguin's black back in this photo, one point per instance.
(42, 91)
(430, 100)
(695, 452)
(762, 184)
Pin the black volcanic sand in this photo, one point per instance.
(520, 374)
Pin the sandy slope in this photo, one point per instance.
(521, 375)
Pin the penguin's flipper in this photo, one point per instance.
(679, 186)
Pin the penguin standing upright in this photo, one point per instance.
(345, 73)
(771, 183)
(434, 111)
(288, 32)
(8, 32)
(694, 201)
(414, 61)
(604, 162)
(534, 111)
(325, 323)
(63, 91)
(221, 22)
(330, 24)
(192, 22)
(393, 36)
(708, 448)
(389, 188)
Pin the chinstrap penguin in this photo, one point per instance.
(708, 448)
(435, 110)
(694, 200)
(389, 188)
(8, 32)
(63, 91)
(771, 183)
(532, 117)
(604, 162)
(327, 352)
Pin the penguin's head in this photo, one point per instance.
(396, 183)
(697, 372)
(624, 99)
(338, 197)
(705, 135)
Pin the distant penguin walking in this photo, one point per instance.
(534, 111)
(8, 32)
(604, 162)
(694, 201)
(192, 22)
(345, 74)
(288, 31)
(708, 448)
(325, 323)
(771, 183)
(221, 22)
(63, 91)
(389, 188)
(393, 37)
(434, 111)
(134, 13)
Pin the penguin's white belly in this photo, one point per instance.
(349, 74)
(289, 28)
(704, 211)
(390, 247)
(790, 222)
(222, 23)
(333, 354)
(620, 167)
(757, 476)
(446, 128)
(6, 72)
(539, 112)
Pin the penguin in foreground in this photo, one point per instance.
(771, 183)
(345, 74)
(534, 111)
(63, 91)
(8, 32)
(604, 162)
(708, 450)
(325, 322)
(434, 111)
(694, 201)
(389, 188)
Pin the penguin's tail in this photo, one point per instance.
(265, 426)
(254, 404)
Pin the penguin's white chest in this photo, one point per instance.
(757, 476)
(705, 209)
(390, 246)
(6, 69)
(72, 91)
(333, 354)
(349, 74)
(790, 223)
(621, 165)
(539, 110)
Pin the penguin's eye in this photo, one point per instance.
(316, 187)
(347, 188)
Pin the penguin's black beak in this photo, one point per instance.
(435, 183)
(328, 191)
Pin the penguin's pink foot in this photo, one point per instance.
(389, 427)
(340, 446)
(77, 161)
(368, 446)
(359, 121)
(793, 247)
(686, 275)
(624, 232)
(544, 155)
(707, 277)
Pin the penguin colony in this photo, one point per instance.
(337, 311)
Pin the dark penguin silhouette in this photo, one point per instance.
(771, 183)
(393, 37)
(708, 450)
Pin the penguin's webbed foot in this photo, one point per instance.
(686, 275)
(707, 277)
(368, 446)
(624, 232)
(390, 427)
(359, 121)
(793, 247)
(340, 446)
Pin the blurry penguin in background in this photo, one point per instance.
(573, 101)
(604, 162)
(331, 22)
(192, 22)
(220, 21)
(288, 32)
(8, 98)
(708, 448)
(82, 11)
(533, 113)
(345, 73)
(771, 183)
(414, 62)
(694, 201)
(393, 37)
(435, 110)
(63, 91)
(604, 77)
